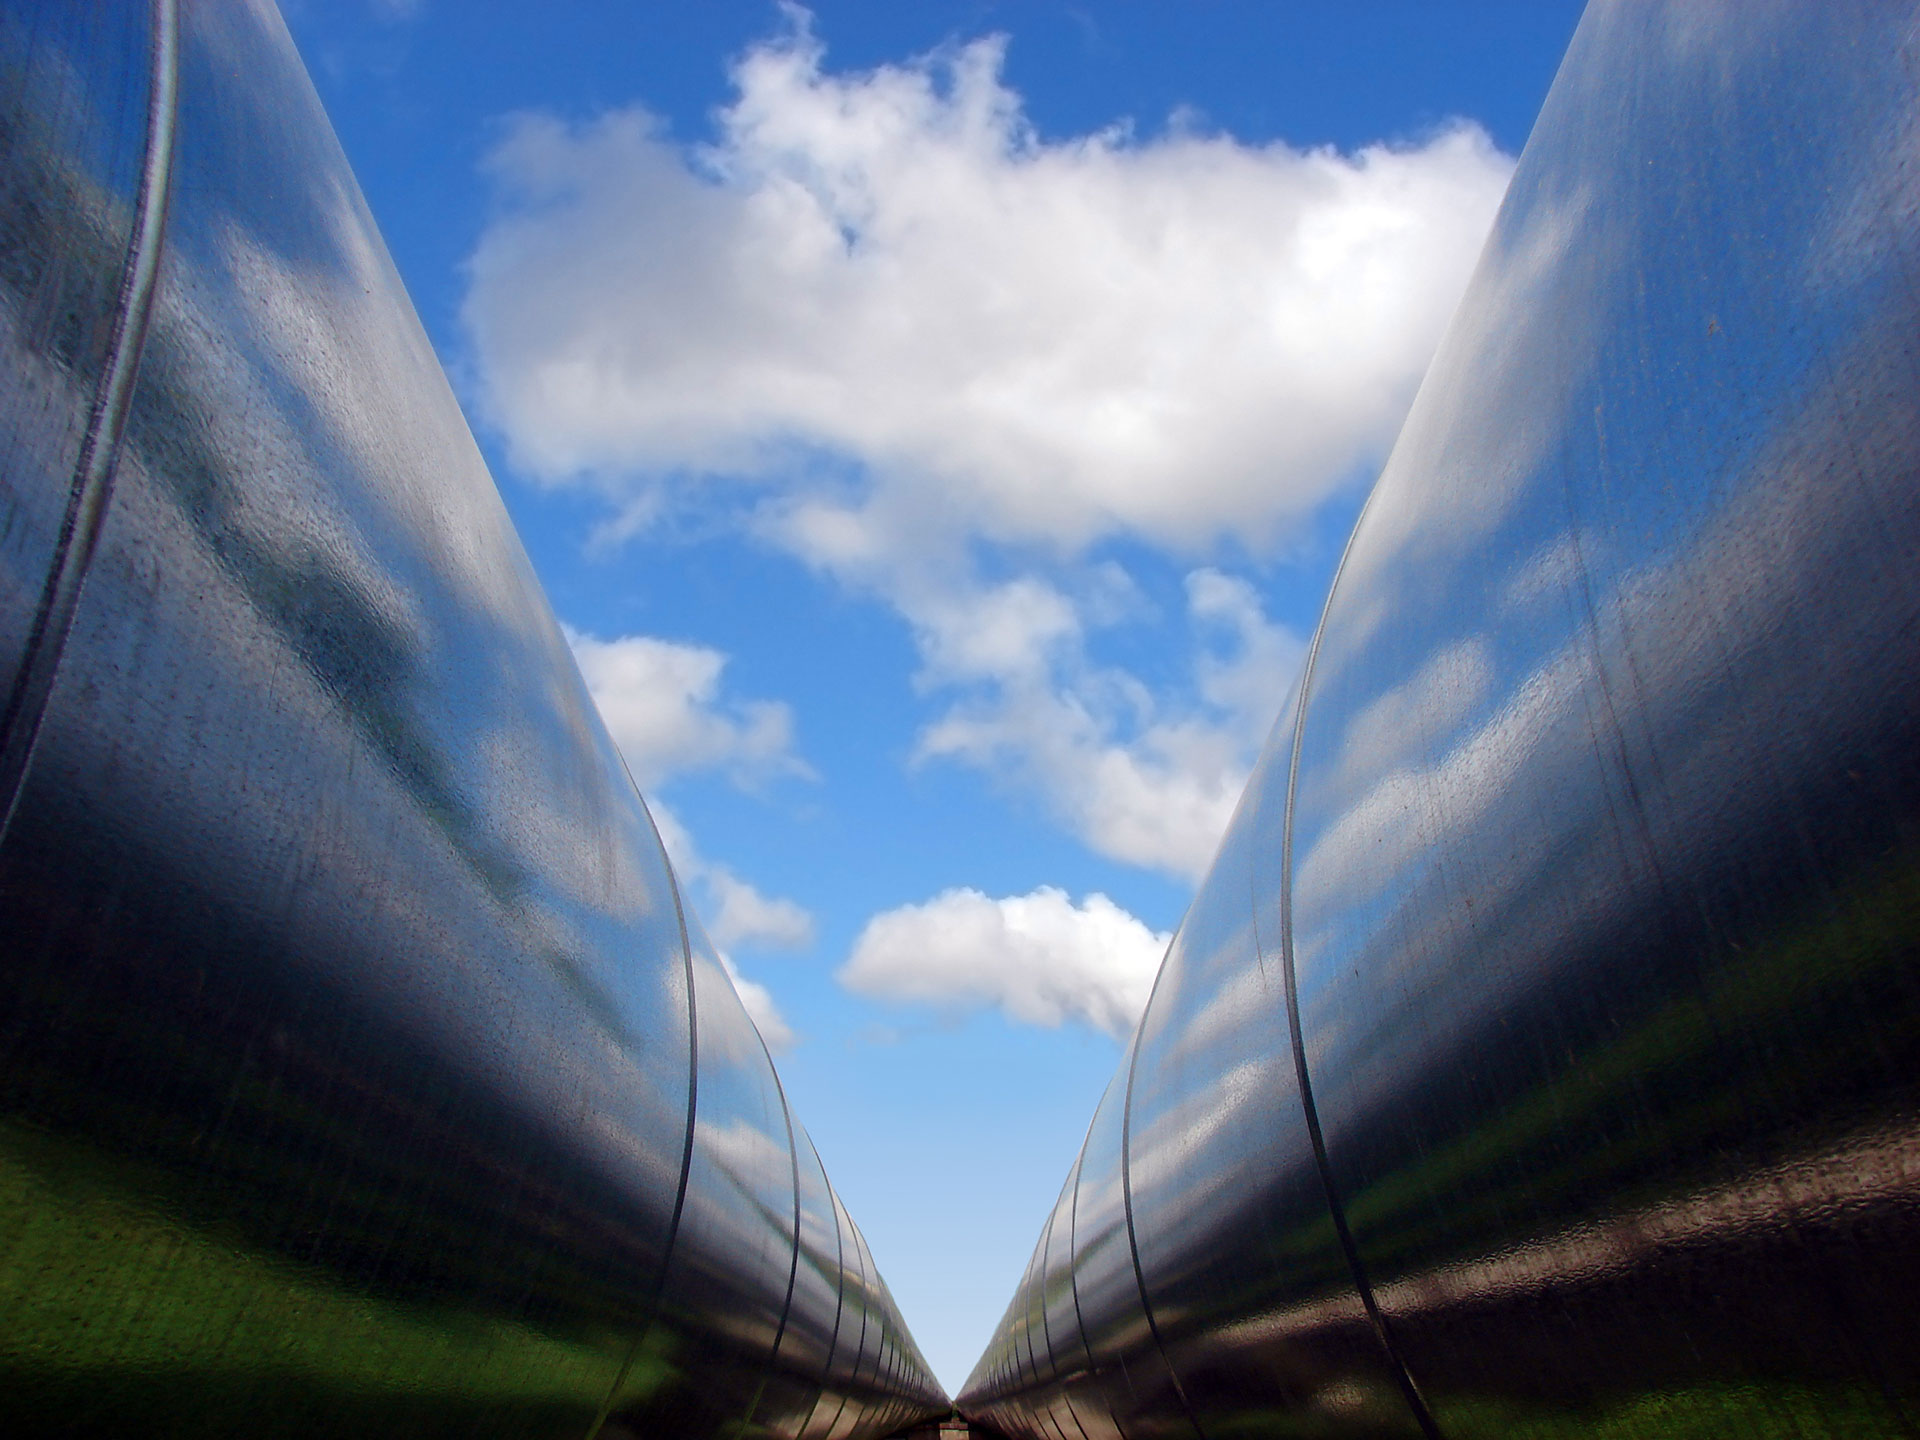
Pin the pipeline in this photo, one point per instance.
(362, 1070)
(1541, 1056)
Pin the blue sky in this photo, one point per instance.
(936, 425)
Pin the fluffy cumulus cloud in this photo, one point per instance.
(1040, 958)
(880, 322)
(1036, 340)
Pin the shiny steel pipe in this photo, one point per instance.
(1541, 1056)
(361, 1071)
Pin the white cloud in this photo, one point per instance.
(898, 334)
(1134, 775)
(1248, 682)
(1040, 958)
(757, 1001)
(1159, 798)
(1018, 338)
(1009, 633)
(742, 915)
(661, 702)
(736, 913)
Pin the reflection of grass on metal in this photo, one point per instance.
(1580, 1144)
(1763, 1411)
(1705, 1412)
(1346, 1410)
(115, 1308)
(1568, 1153)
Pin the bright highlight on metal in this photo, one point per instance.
(1541, 1056)
(359, 1074)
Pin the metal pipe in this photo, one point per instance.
(1541, 1056)
(359, 1069)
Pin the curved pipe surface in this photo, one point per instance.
(360, 1070)
(1540, 1057)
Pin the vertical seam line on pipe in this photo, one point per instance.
(1126, 1196)
(1033, 1355)
(860, 1345)
(1046, 1324)
(1356, 1267)
(92, 486)
(864, 1256)
(793, 1262)
(1073, 1233)
(652, 1314)
(1073, 1255)
(839, 1291)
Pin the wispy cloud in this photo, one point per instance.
(1137, 776)
(661, 701)
(757, 1000)
(737, 914)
